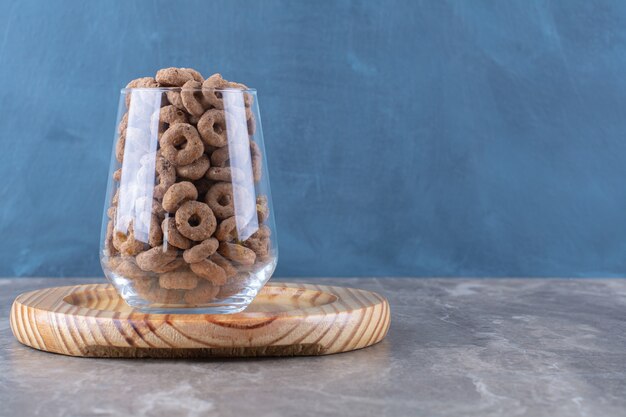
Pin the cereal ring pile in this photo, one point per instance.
(187, 225)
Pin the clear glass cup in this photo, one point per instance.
(188, 222)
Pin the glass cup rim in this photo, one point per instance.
(178, 89)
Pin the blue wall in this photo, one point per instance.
(416, 138)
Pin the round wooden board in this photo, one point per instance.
(283, 320)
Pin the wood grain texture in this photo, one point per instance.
(284, 320)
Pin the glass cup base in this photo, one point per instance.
(235, 303)
(229, 305)
(209, 309)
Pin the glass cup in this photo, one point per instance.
(188, 222)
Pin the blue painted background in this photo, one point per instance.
(410, 138)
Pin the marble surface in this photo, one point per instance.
(492, 347)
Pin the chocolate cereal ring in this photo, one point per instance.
(237, 253)
(181, 144)
(121, 128)
(165, 176)
(174, 98)
(155, 234)
(120, 145)
(212, 128)
(195, 170)
(171, 235)
(257, 161)
(220, 200)
(160, 295)
(144, 82)
(233, 286)
(174, 77)
(220, 157)
(128, 268)
(226, 265)
(142, 285)
(203, 293)
(263, 232)
(155, 258)
(201, 251)
(227, 230)
(178, 280)
(193, 99)
(177, 194)
(126, 242)
(259, 242)
(211, 87)
(262, 209)
(260, 246)
(226, 174)
(195, 220)
(176, 264)
(210, 271)
(170, 115)
(250, 122)
(116, 198)
(109, 248)
(195, 74)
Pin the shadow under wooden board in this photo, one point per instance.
(283, 320)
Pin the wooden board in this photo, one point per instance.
(284, 320)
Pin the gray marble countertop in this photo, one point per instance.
(456, 347)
